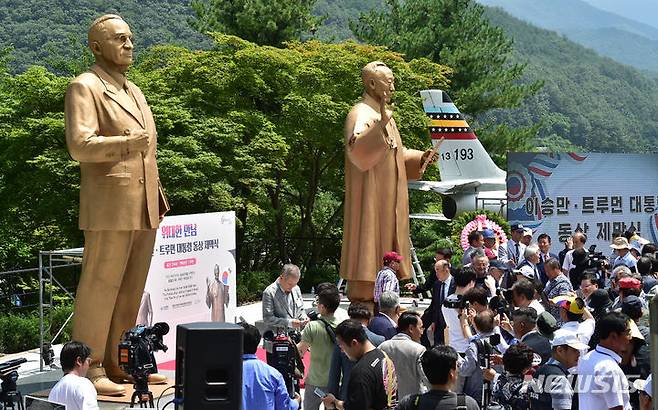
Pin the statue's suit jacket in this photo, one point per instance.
(118, 187)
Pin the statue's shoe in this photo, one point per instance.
(103, 385)
(155, 378)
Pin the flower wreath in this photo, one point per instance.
(480, 223)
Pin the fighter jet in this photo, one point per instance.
(470, 179)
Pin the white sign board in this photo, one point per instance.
(597, 193)
(192, 275)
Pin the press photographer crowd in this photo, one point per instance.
(524, 325)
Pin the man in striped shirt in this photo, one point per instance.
(387, 279)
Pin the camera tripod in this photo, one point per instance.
(10, 398)
(142, 395)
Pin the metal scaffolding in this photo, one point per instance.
(48, 262)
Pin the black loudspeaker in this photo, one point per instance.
(209, 366)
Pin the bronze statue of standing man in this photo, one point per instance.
(377, 167)
(111, 132)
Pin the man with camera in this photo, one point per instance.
(263, 386)
(74, 390)
(552, 387)
(480, 347)
(319, 336)
(575, 316)
(457, 328)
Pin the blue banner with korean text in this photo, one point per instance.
(596, 193)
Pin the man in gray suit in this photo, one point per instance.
(405, 350)
(283, 306)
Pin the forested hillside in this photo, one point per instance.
(625, 40)
(592, 101)
(53, 32)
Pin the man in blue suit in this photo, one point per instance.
(544, 243)
(386, 321)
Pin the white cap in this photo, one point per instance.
(564, 337)
(527, 232)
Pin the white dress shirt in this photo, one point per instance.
(601, 382)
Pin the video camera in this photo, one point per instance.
(284, 356)
(136, 357)
(595, 260)
(502, 302)
(9, 396)
(454, 304)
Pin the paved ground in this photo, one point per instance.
(32, 379)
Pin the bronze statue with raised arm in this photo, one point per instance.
(377, 167)
(111, 132)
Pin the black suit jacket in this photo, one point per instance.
(440, 323)
(540, 344)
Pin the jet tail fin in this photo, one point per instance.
(462, 156)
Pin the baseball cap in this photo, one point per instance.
(546, 324)
(637, 246)
(632, 306)
(498, 264)
(488, 234)
(635, 331)
(629, 283)
(564, 337)
(527, 232)
(516, 227)
(570, 303)
(600, 299)
(392, 256)
(620, 243)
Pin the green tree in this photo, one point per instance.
(254, 129)
(455, 33)
(264, 22)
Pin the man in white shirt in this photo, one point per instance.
(74, 390)
(575, 317)
(579, 240)
(601, 382)
(457, 331)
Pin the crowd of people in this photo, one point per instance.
(516, 326)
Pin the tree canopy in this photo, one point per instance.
(264, 22)
(255, 129)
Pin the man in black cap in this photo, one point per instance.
(514, 246)
(599, 303)
(632, 306)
